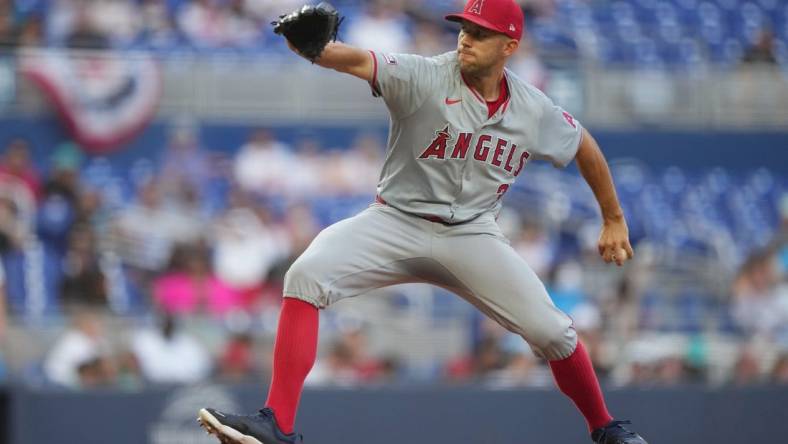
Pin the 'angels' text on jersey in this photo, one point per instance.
(492, 150)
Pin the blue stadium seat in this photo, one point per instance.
(720, 29)
(712, 22)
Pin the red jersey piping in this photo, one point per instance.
(374, 83)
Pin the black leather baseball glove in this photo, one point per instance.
(310, 28)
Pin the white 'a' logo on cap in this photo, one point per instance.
(511, 27)
(476, 7)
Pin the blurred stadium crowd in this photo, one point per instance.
(667, 33)
(178, 278)
(170, 270)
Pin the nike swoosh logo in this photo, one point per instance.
(452, 102)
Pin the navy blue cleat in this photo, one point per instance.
(615, 433)
(260, 428)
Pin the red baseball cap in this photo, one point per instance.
(504, 16)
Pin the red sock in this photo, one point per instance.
(576, 379)
(295, 351)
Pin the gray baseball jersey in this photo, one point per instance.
(445, 157)
(447, 161)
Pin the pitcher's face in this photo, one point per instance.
(480, 49)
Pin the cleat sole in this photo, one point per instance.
(225, 434)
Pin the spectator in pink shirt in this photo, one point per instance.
(190, 287)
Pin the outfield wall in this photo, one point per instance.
(417, 415)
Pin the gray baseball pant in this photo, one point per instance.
(384, 246)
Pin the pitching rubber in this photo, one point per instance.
(225, 434)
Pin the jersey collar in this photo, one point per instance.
(481, 102)
(475, 93)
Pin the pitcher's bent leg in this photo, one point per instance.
(347, 258)
(493, 277)
(498, 281)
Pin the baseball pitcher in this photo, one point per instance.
(463, 127)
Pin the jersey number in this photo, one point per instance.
(502, 190)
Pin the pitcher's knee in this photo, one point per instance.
(302, 282)
(557, 346)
